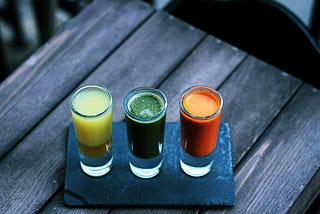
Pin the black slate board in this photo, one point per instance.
(171, 187)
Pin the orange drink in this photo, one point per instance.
(200, 111)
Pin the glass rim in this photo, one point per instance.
(138, 90)
(204, 87)
(86, 87)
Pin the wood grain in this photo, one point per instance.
(90, 38)
(152, 51)
(209, 64)
(35, 165)
(254, 96)
(273, 175)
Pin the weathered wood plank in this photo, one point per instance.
(53, 50)
(308, 199)
(254, 95)
(287, 157)
(210, 64)
(265, 88)
(90, 38)
(160, 41)
(152, 51)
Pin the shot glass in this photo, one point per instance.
(91, 109)
(200, 111)
(145, 114)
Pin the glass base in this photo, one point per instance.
(195, 171)
(195, 166)
(96, 167)
(145, 168)
(145, 173)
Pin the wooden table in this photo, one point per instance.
(123, 44)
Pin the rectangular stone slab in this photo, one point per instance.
(171, 187)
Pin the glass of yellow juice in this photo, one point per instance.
(91, 110)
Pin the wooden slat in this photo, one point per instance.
(286, 159)
(308, 199)
(254, 95)
(90, 38)
(161, 41)
(210, 64)
(54, 50)
(147, 58)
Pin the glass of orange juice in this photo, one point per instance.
(200, 111)
(91, 109)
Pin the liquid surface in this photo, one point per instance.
(91, 102)
(145, 105)
(201, 104)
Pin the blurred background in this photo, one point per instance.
(27, 24)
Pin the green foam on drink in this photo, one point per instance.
(145, 105)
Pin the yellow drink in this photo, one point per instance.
(91, 109)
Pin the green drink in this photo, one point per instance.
(145, 115)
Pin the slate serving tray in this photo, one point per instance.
(171, 187)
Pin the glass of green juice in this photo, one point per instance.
(91, 109)
(145, 114)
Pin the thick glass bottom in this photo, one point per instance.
(145, 172)
(195, 166)
(145, 168)
(96, 167)
(195, 171)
